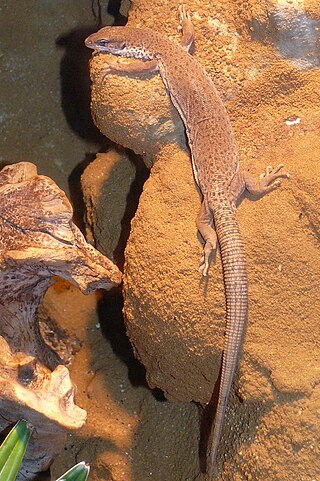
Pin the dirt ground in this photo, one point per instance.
(130, 431)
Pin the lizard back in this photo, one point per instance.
(210, 136)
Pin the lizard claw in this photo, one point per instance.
(205, 259)
(104, 72)
(203, 267)
(183, 16)
(270, 179)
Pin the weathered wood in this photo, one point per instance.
(39, 241)
(31, 391)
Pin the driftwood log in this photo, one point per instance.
(31, 391)
(38, 241)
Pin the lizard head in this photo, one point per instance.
(122, 41)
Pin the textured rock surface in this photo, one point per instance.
(176, 321)
(111, 185)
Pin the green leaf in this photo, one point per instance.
(79, 472)
(12, 450)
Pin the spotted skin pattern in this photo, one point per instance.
(215, 165)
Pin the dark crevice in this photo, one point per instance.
(76, 193)
(113, 328)
(132, 201)
(110, 310)
(75, 84)
(114, 10)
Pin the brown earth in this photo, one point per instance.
(264, 57)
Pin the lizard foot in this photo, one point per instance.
(205, 259)
(109, 66)
(184, 17)
(186, 28)
(270, 179)
(113, 65)
(205, 227)
(104, 72)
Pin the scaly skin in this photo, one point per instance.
(215, 165)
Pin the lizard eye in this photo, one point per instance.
(111, 44)
(102, 42)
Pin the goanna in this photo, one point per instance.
(215, 165)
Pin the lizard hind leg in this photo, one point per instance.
(186, 28)
(204, 224)
(269, 180)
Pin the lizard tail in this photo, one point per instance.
(236, 289)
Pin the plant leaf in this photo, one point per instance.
(79, 472)
(12, 450)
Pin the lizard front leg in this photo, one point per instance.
(121, 65)
(186, 28)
